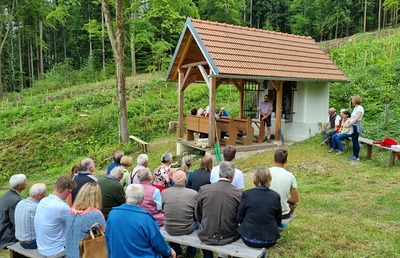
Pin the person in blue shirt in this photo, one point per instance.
(138, 236)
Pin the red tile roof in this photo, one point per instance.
(246, 52)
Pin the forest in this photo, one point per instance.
(39, 38)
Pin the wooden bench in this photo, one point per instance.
(370, 143)
(17, 251)
(236, 249)
(236, 129)
(196, 124)
(143, 143)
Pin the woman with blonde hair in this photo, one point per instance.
(85, 212)
(260, 212)
(126, 162)
(356, 127)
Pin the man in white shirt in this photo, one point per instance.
(229, 154)
(50, 219)
(284, 183)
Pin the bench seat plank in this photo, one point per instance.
(140, 141)
(237, 248)
(370, 143)
(17, 251)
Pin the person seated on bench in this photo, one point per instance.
(131, 231)
(223, 112)
(178, 206)
(201, 176)
(25, 214)
(331, 125)
(216, 210)
(152, 201)
(284, 183)
(163, 174)
(116, 161)
(342, 134)
(260, 212)
(8, 203)
(142, 162)
(84, 213)
(50, 218)
(229, 154)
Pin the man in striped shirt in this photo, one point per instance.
(25, 215)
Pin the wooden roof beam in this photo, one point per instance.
(194, 64)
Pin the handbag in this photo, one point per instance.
(94, 245)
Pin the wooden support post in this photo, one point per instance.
(278, 85)
(180, 103)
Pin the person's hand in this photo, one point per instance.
(173, 253)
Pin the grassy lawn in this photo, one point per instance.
(345, 210)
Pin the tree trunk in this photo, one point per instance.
(41, 66)
(365, 16)
(133, 50)
(379, 14)
(21, 69)
(103, 50)
(117, 44)
(31, 72)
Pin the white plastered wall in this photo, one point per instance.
(310, 107)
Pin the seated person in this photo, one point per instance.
(284, 183)
(25, 215)
(260, 212)
(152, 201)
(223, 112)
(330, 126)
(342, 134)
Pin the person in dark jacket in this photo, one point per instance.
(260, 212)
(216, 210)
(7, 209)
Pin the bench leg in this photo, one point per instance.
(391, 160)
(16, 255)
(369, 151)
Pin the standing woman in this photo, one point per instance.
(260, 212)
(356, 128)
(85, 212)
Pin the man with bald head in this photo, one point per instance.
(178, 205)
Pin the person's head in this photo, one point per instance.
(64, 187)
(262, 177)
(89, 196)
(229, 153)
(37, 191)
(18, 182)
(134, 194)
(356, 100)
(186, 163)
(193, 112)
(345, 114)
(166, 158)
(179, 178)
(200, 112)
(331, 111)
(118, 173)
(143, 160)
(206, 163)
(266, 98)
(117, 156)
(75, 170)
(126, 161)
(280, 156)
(87, 165)
(227, 170)
(144, 175)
